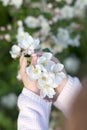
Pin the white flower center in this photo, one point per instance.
(44, 63)
(46, 86)
(36, 70)
(44, 78)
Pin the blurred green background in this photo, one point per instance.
(10, 87)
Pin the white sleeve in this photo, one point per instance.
(68, 94)
(33, 111)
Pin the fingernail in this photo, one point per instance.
(34, 55)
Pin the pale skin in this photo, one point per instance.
(32, 85)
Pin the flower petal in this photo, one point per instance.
(51, 92)
(47, 55)
(36, 43)
(42, 93)
(57, 67)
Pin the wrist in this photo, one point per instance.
(33, 90)
(32, 86)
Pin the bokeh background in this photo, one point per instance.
(61, 26)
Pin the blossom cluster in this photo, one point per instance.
(16, 3)
(63, 38)
(47, 73)
(43, 26)
(26, 43)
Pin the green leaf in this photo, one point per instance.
(46, 50)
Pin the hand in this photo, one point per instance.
(64, 81)
(31, 85)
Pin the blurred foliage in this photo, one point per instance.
(8, 67)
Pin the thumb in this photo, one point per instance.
(34, 58)
(23, 62)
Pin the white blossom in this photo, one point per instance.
(72, 27)
(46, 85)
(47, 90)
(45, 60)
(9, 27)
(5, 2)
(81, 3)
(67, 12)
(7, 37)
(9, 100)
(62, 38)
(15, 51)
(32, 22)
(26, 41)
(50, 5)
(72, 64)
(45, 27)
(59, 77)
(79, 8)
(76, 41)
(57, 70)
(16, 3)
(46, 78)
(79, 12)
(20, 23)
(69, 1)
(19, 76)
(20, 30)
(48, 55)
(34, 72)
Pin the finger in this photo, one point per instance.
(23, 63)
(21, 59)
(35, 56)
(39, 54)
(34, 60)
(22, 56)
(55, 59)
